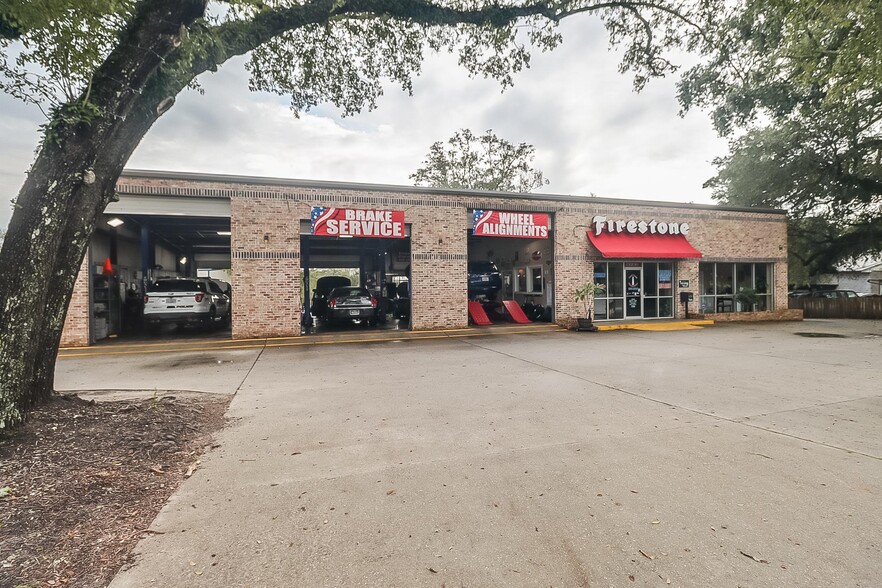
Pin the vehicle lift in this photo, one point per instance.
(477, 314)
(515, 312)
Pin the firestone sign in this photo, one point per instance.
(653, 227)
(351, 222)
(494, 223)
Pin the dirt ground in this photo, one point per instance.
(81, 482)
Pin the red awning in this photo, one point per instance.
(643, 246)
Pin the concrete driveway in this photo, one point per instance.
(737, 455)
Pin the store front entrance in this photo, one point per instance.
(634, 290)
(633, 281)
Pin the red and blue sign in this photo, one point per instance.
(518, 225)
(353, 222)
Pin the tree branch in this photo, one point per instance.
(240, 37)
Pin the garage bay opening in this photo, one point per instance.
(510, 267)
(160, 276)
(355, 270)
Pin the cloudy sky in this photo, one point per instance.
(591, 132)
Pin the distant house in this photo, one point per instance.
(863, 276)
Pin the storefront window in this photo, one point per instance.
(724, 278)
(761, 278)
(616, 280)
(600, 274)
(610, 304)
(707, 304)
(617, 309)
(743, 276)
(719, 284)
(761, 285)
(665, 279)
(666, 307)
(706, 279)
(650, 279)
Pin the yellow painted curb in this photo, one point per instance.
(665, 326)
(303, 342)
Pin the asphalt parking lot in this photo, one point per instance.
(736, 455)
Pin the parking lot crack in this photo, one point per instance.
(810, 406)
(250, 369)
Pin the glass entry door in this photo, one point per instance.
(633, 291)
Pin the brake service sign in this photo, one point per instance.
(519, 225)
(353, 222)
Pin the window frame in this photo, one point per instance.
(726, 302)
(528, 271)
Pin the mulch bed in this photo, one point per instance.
(81, 482)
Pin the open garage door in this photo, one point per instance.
(511, 267)
(160, 276)
(356, 270)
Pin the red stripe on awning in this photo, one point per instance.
(643, 246)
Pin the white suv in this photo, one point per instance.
(186, 300)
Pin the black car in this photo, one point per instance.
(322, 290)
(822, 294)
(348, 303)
(484, 279)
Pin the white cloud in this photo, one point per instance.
(592, 133)
(19, 138)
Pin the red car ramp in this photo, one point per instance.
(517, 315)
(477, 314)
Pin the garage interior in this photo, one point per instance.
(527, 269)
(380, 265)
(129, 251)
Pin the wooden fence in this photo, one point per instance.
(865, 307)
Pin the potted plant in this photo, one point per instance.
(585, 294)
(747, 299)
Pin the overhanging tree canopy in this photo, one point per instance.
(106, 70)
(798, 85)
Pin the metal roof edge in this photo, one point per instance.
(365, 187)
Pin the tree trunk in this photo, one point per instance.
(71, 182)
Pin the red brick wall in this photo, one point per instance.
(781, 314)
(439, 272)
(76, 324)
(572, 266)
(265, 261)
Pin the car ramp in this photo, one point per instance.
(515, 312)
(477, 314)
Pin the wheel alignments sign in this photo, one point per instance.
(352, 222)
(520, 225)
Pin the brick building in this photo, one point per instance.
(262, 230)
